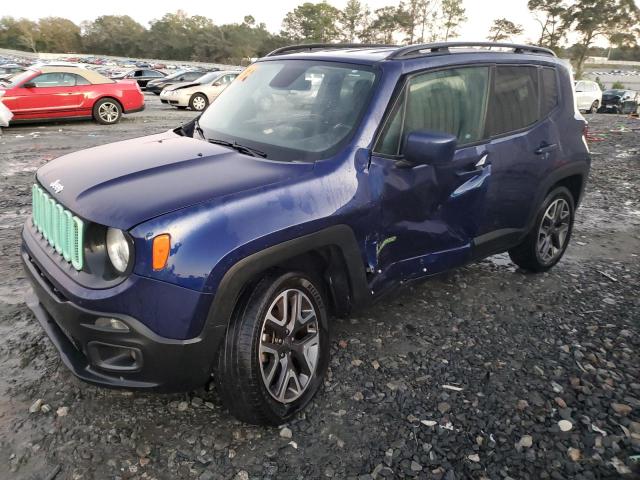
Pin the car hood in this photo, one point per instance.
(181, 85)
(126, 183)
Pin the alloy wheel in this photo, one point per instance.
(108, 112)
(289, 345)
(554, 230)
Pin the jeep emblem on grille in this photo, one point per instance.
(57, 186)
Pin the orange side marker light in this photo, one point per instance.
(161, 248)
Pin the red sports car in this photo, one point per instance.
(46, 93)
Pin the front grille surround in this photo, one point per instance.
(58, 227)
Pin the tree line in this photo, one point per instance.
(178, 36)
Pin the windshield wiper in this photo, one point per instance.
(240, 148)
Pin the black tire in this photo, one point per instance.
(239, 374)
(594, 107)
(527, 254)
(107, 111)
(198, 102)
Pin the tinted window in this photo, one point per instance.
(514, 103)
(549, 90)
(151, 73)
(138, 73)
(450, 101)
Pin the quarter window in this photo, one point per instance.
(514, 104)
(449, 101)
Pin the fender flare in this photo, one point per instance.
(234, 280)
(573, 169)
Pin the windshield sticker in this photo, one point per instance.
(246, 72)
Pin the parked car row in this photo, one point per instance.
(591, 99)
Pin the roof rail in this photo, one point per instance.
(323, 46)
(415, 51)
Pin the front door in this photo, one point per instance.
(52, 94)
(428, 219)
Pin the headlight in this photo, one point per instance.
(118, 249)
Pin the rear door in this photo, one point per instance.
(428, 220)
(524, 146)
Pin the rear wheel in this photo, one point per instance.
(547, 241)
(107, 111)
(276, 351)
(594, 107)
(198, 102)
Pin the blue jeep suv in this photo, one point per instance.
(324, 177)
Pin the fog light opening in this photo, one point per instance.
(111, 324)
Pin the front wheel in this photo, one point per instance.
(276, 350)
(198, 102)
(547, 241)
(594, 107)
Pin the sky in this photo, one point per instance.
(480, 13)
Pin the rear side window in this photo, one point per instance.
(80, 80)
(450, 101)
(514, 103)
(549, 90)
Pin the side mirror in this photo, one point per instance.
(423, 147)
(217, 84)
(29, 85)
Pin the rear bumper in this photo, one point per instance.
(134, 110)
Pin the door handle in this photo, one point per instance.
(475, 168)
(545, 148)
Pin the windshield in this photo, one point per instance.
(17, 79)
(291, 109)
(175, 75)
(207, 77)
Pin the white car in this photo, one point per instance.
(197, 95)
(588, 96)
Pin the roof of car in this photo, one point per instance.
(90, 75)
(367, 53)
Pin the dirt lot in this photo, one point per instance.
(523, 352)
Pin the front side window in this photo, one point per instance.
(291, 109)
(514, 103)
(55, 79)
(449, 101)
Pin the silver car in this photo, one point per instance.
(197, 95)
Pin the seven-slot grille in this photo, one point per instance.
(59, 227)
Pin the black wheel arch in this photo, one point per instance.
(332, 252)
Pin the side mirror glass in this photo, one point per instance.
(423, 147)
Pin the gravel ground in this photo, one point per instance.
(484, 372)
